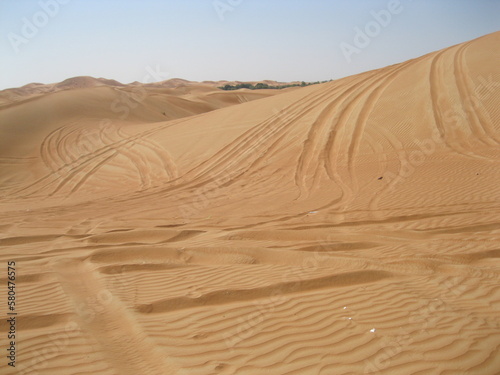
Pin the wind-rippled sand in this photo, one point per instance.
(345, 228)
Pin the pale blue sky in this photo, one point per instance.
(284, 40)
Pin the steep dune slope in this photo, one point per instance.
(345, 228)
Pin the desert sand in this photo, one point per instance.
(351, 227)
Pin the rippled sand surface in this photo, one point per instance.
(351, 227)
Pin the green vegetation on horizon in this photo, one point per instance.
(261, 86)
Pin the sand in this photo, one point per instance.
(350, 227)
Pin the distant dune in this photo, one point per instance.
(351, 227)
(8, 96)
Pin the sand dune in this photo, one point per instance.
(350, 227)
(174, 86)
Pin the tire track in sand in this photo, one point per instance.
(441, 106)
(83, 167)
(365, 100)
(102, 316)
(474, 108)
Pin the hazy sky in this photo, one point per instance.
(51, 40)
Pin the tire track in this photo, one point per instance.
(68, 170)
(318, 131)
(169, 167)
(437, 86)
(365, 112)
(477, 115)
(252, 140)
(138, 160)
(110, 323)
(333, 149)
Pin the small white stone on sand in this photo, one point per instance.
(345, 307)
(372, 330)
